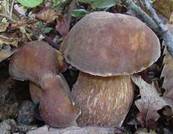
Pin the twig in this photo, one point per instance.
(165, 33)
(141, 14)
(11, 9)
(69, 12)
(157, 26)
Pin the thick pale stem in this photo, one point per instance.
(104, 101)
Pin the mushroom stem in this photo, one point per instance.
(56, 107)
(104, 101)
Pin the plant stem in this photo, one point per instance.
(153, 22)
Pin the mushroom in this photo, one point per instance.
(37, 61)
(107, 48)
(33, 60)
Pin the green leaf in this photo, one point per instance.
(43, 28)
(56, 2)
(79, 12)
(47, 30)
(100, 3)
(30, 3)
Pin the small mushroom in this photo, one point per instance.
(37, 62)
(34, 60)
(107, 48)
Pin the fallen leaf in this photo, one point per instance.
(3, 26)
(5, 53)
(21, 23)
(8, 110)
(47, 15)
(167, 74)
(30, 3)
(8, 41)
(62, 26)
(149, 103)
(165, 7)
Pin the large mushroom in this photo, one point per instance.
(37, 62)
(107, 48)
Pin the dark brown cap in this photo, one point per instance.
(107, 44)
(34, 59)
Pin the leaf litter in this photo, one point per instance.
(23, 29)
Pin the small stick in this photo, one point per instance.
(165, 33)
(153, 22)
(11, 9)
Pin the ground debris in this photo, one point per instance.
(72, 130)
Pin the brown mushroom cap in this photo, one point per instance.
(34, 59)
(107, 44)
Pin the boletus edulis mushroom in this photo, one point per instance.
(37, 62)
(107, 48)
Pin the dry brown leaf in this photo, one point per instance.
(5, 46)
(48, 15)
(149, 103)
(165, 7)
(21, 23)
(8, 41)
(8, 110)
(5, 53)
(167, 74)
(62, 26)
(3, 26)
